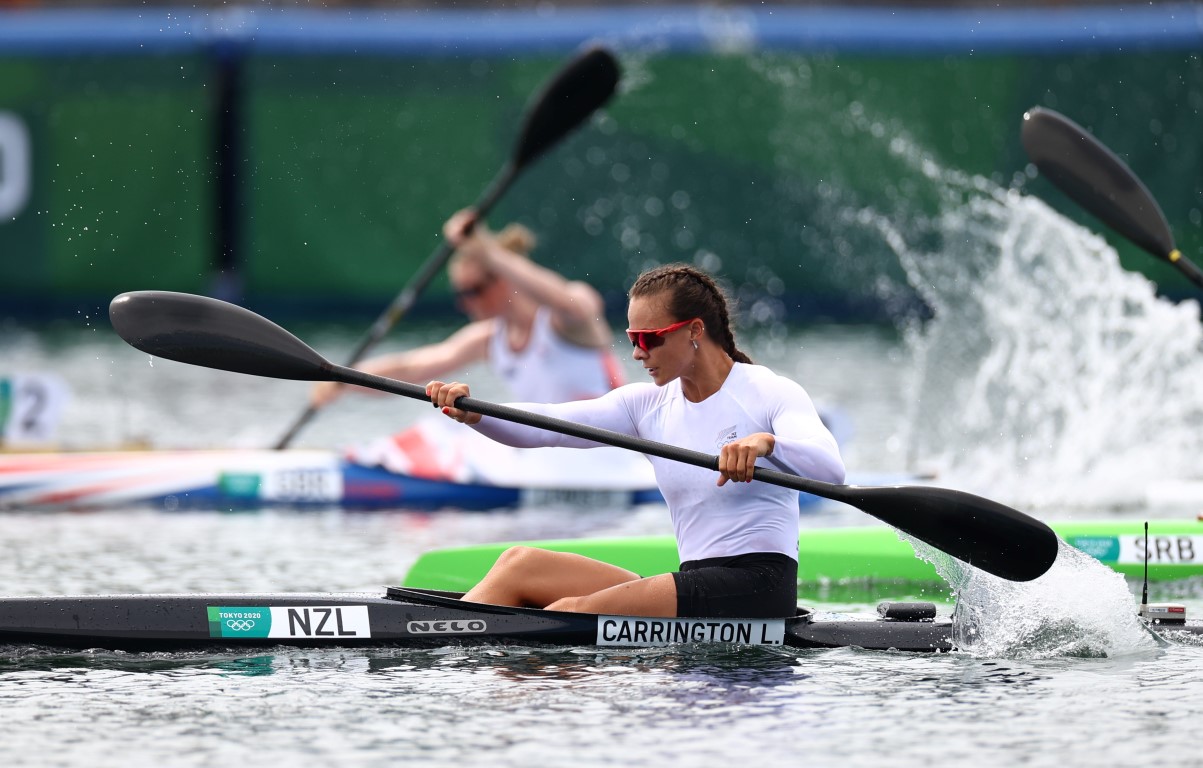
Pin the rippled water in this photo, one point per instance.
(1014, 699)
(537, 706)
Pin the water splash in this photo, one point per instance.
(1048, 377)
(1080, 608)
(1043, 374)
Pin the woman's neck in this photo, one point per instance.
(519, 321)
(707, 374)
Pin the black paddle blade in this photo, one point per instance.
(983, 533)
(586, 83)
(214, 334)
(1093, 177)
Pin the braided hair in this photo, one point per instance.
(692, 293)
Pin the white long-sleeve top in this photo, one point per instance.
(549, 369)
(708, 520)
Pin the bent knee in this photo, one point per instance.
(521, 557)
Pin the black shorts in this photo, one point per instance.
(757, 585)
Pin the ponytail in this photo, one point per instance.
(512, 237)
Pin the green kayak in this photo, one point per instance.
(844, 555)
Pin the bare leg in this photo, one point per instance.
(528, 576)
(653, 596)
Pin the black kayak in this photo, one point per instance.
(425, 618)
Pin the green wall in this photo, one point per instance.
(121, 193)
(757, 158)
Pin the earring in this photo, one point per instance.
(695, 345)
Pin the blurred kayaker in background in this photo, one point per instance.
(545, 336)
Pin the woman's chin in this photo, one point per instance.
(658, 377)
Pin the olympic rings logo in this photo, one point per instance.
(240, 625)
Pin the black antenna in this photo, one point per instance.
(1144, 594)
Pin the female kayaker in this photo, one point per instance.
(545, 336)
(738, 542)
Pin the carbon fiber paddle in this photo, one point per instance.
(1092, 176)
(214, 334)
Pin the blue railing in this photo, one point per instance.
(888, 31)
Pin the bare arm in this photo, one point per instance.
(468, 345)
(578, 310)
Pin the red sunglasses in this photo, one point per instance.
(651, 338)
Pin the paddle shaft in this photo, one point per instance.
(405, 300)
(430, 269)
(506, 413)
(844, 493)
(1186, 267)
